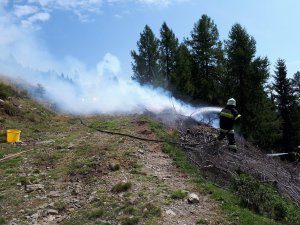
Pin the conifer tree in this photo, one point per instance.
(246, 77)
(285, 102)
(296, 85)
(240, 52)
(181, 80)
(168, 46)
(145, 62)
(207, 53)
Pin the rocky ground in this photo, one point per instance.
(76, 175)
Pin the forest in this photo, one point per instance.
(204, 69)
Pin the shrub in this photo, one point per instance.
(114, 167)
(10, 109)
(263, 199)
(151, 210)
(121, 187)
(6, 91)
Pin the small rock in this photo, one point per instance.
(13, 223)
(54, 194)
(43, 206)
(34, 187)
(52, 212)
(141, 151)
(170, 212)
(71, 146)
(51, 218)
(193, 198)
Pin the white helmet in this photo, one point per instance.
(231, 102)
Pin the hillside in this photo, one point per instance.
(73, 174)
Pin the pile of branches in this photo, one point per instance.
(219, 164)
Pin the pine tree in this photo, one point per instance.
(181, 80)
(240, 51)
(296, 85)
(145, 65)
(168, 46)
(207, 54)
(263, 125)
(295, 139)
(246, 77)
(285, 102)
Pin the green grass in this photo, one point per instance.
(104, 124)
(2, 221)
(229, 202)
(179, 194)
(6, 91)
(121, 187)
(265, 200)
(130, 221)
(95, 213)
(202, 221)
(150, 210)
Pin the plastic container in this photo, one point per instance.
(13, 135)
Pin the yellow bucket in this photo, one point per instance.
(13, 135)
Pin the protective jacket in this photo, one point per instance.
(227, 117)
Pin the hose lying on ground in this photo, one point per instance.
(129, 135)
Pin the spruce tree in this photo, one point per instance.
(286, 103)
(246, 77)
(296, 85)
(263, 125)
(145, 65)
(295, 139)
(240, 52)
(168, 46)
(181, 80)
(207, 54)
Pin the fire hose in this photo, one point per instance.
(128, 135)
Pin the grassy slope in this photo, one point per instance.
(54, 163)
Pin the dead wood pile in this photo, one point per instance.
(220, 165)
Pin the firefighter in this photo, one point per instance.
(228, 116)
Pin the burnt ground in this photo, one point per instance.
(221, 165)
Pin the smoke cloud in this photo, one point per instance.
(73, 87)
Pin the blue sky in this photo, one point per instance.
(85, 31)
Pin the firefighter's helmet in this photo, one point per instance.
(231, 102)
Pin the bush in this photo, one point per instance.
(10, 109)
(6, 91)
(121, 187)
(151, 210)
(263, 199)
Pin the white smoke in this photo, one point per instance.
(81, 90)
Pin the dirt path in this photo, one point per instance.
(160, 164)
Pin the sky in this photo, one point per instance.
(97, 35)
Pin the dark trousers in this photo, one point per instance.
(230, 137)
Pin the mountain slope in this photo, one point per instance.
(73, 174)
